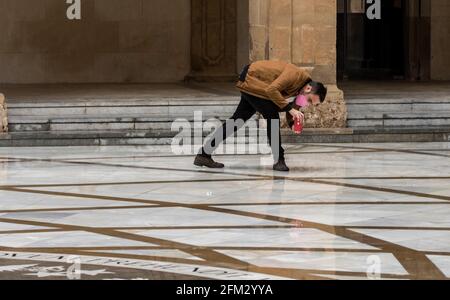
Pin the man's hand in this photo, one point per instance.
(297, 114)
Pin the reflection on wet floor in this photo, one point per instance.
(344, 211)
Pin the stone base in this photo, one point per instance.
(3, 116)
(330, 114)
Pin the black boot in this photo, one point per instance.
(281, 166)
(207, 161)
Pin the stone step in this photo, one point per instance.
(407, 108)
(398, 123)
(109, 118)
(89, 123)
(400, 115)
(401, 99)
(356, 109)
(401, 129)
(160, 111)
(125, 101)
(400, 104)
(121, 137)
(400, 119)
(151, 107)
(96, 138)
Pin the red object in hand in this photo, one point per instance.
(298, 126)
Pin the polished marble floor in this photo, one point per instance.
(345, 211)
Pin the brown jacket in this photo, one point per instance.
(274, 80)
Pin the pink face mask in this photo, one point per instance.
(302, 101)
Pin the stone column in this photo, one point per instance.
(3, 117)
(302, 32)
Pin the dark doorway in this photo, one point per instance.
(371, 49)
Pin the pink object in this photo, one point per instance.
(302, 101)
(298, 126)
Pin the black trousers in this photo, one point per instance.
(247, 107)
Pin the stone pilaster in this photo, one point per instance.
(213, 40)
(258, 29)
(302, 32)
(3, 116)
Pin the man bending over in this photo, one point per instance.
(266, 87)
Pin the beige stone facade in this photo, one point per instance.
(115, 41)
(161, 41)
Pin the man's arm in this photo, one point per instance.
(285, 80)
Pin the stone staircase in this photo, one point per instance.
(101, 122)
(129, 114)
(68, 118)
(150, 114)
(397, 113)
(147, 121)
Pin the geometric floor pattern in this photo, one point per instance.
(345, 211)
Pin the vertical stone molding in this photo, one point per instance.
(213, 40)
(3, 116)
(258, 29)
(213, 31)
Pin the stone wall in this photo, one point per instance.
(115, 41)
(3, 116)
(440, 40)
(302, 32)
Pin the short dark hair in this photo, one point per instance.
(319, 89)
